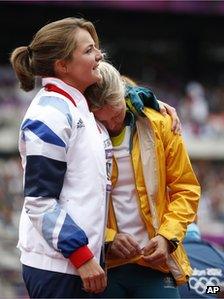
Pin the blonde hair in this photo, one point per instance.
(52, 42)
(109, 90)
(128, 81)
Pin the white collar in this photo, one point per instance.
(72, 91)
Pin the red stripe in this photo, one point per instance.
(52, 87)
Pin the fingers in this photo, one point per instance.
(162, 108)
(176, 126)
(156, 251)
(97, 283)
(94, 284)
(124, 246)
(120, 250)
(93, 277)
(167, 109)
(149, 248)
(86, 284)
(157, 257)
(134, 244)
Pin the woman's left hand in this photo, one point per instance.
(167, 109)
(156, 251)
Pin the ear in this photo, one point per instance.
(60, 67)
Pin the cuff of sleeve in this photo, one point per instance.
(110, 234)
(81, 256)
(173, 244)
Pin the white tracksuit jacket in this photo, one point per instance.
(66, 158)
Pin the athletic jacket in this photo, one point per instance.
(64, 154)
(167, 189)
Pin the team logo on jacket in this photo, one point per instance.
(169, 282)
(80, 124)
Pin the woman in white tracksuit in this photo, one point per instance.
(65, 156)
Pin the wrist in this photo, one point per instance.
(173, 244)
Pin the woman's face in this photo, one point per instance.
(112, 117)
(82, 70)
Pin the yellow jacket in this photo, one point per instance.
(167, 189)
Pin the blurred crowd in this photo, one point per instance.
(201, 110)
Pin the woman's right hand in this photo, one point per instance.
(93, 277)
(124, 246)
(167, 109)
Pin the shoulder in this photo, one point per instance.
(162, 127)
(52, 111)
(158, 120)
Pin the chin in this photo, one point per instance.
(99, 77)
(96, 73)
(96, 79)
(115, 132)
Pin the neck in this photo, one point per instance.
(73, 84)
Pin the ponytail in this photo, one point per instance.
(56, 40)
(20, 60)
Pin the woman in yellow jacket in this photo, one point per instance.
(154, 196)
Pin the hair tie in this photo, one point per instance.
(29, 52)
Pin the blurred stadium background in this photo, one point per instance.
(172, 46)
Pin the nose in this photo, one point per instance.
(99, 55)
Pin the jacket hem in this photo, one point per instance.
(45, 262)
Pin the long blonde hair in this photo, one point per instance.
(53, 41)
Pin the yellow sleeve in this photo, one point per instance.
(183, 187)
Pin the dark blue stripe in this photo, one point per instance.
(71, 237)
(44, 176)
(43, 132)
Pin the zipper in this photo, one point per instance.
(153, 210)
(176, 269)
(115, 162)
(133, 128)
(150, 234)
(172, 263)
